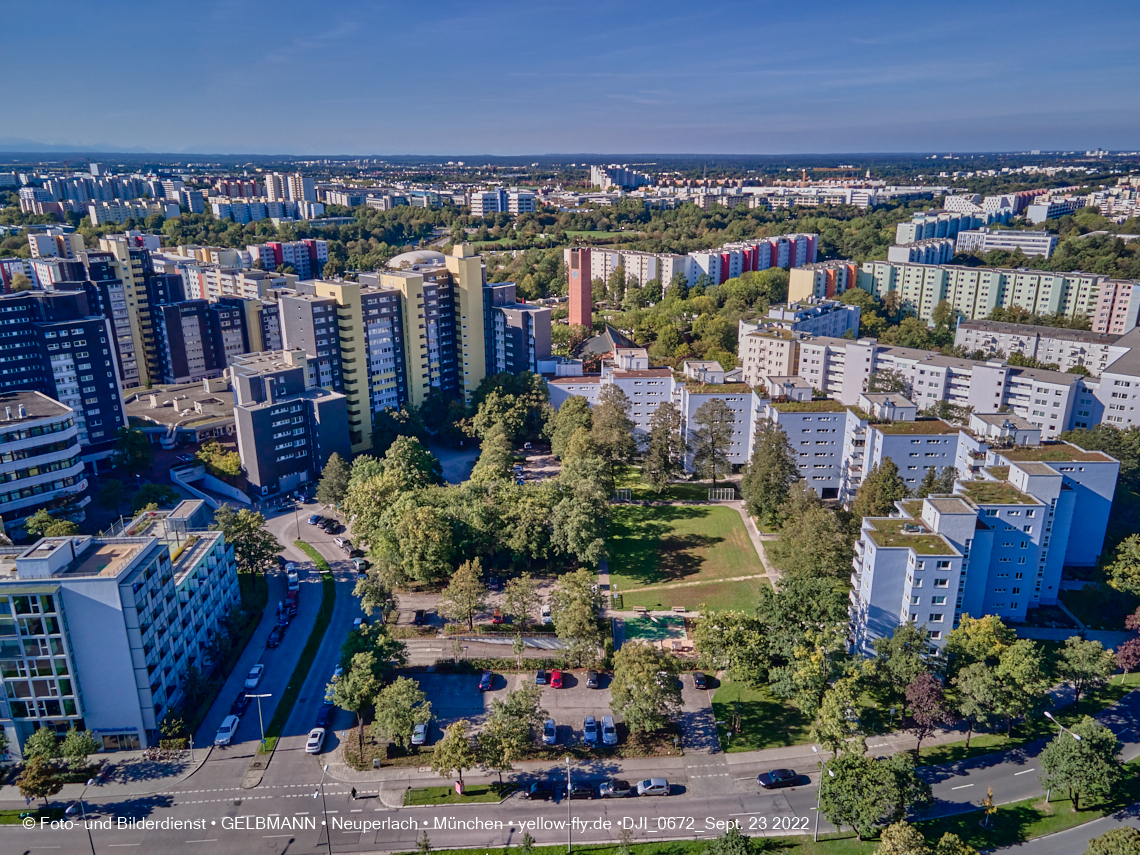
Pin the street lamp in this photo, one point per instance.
(324, 807)
(568, 803)
(1076, 736)
(259, 717)
(819, 793)
(83, 813)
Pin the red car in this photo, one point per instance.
(556, 679)
(497, 617)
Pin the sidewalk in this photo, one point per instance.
(129, 776)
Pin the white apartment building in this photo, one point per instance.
(1052, 345)
(811, 317)
(929, 251)
(98, 632)
(1053, 209)
(768, 353)
(55, 243)
(503, 201)
(1117, 396)
(987, 240)
(102, 213)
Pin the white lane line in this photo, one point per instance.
(357, 810)
(211, 840)
(266, 836)
(124, 844)
(964, 786)
(1026, 772)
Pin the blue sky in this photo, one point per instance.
(436, 77)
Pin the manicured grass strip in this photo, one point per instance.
(12, 817)
(713, 596)
(318, 559)
(448, 796)
(766, 721)
(305, 661)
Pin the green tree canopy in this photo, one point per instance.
(465, 595)
(771, 472)
(400, 706)
(879, 491)
(255, 547)
(334, 481)
(644, 689)
(711, 441)
(1089, 766)
(453, 753)
(133, 451)
(666, 449)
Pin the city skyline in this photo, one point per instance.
(606, 79)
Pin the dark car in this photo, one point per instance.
(777, 778)
(324, 715)
(539, 790)
(240, 704)
(699, 681)
(275, 636)
(591, 679)
(485, 681)
(356, 553)
(419, 618)
(581, 791)
(331, 527)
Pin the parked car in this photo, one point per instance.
(359, 622)
(185, 458)
(590, 731)
(315, 519)
(777, 778)
(653, 787)
(225, 734)
(240, 704)
(418, 620)
(526, 446)
(294, 581)
(360, 564)
(609, 731)
(330, 526)
(540, 677)
(591, 679)
(547, 617)
(497, 617)
(291, 603)
(556, 679)
(325, 714)
(356, 553)
(614, 789)
(316, 741)
(485, 681)
(340, 541)
(539, 790)
(699, 681)
(419, 734)
(254, 676)
(581, 790)
(347, 546)
(274, 639)
(549, 732)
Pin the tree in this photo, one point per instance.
(496, 456)
(43, 743)
(423, 844)
(1088, 766)
(574, 606)
(195, 686)
(412, 465)
(612, 430)
(111, 494)
(951, 844)
(334, 481)
(520, 598)
(356, 689)
(40, 780)
(400, 706)
(454, 753)
(771, 472)
(154, 494)
(811, 541)
(77, 746)
(1128, 657)
(1084, 664)
(865, 792)
(732, 641)
(888, 381)
(373, 639)
(928, 708)
(1120, 841)
(978, 640)
(255, 547)
(901, 658)
(902, 838)
(644, 688)
(1023, 679)
(507, 736)
(732, 842)
(879, 491)
(835, 724)
(465, 595)
(1124, 571)
(218, 461)
(712, 438)
(133, 451)
(572, 415)
(978, 694)
(936, 483)
(20, 282)
(421, 541)
(61, 528)
(666, 449)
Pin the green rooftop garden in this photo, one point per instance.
(1055, 452)
(825, 405)
(913, 507)
(996, 493)
(717, 388)
(889, 533)
(999, 472)
(919, 427)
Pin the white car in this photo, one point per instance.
(226, 732)
(254, 676)
(316, 741)
(609, 731)
(340, 541)
(419, 734)
(547, 617)
(549, 732)
(653, 787)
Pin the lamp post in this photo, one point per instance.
(260, 719)
(83, 813)
(819, 793)
(1076, 736)
(569, 824)
(324, 807)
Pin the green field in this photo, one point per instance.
(448, 796)
(663, 544)
(683, 491)
(766, 721)
(714, 596)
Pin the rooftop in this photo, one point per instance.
(1006, 328)
(36, 404)
(178, 404)
(893, 533)
(948, 505)
(826, 405)
(919, 427)
(1001, 473)
(1003, 419)
(912, 507)
(1037, 469)
(717, 388)
(995, 493)
(1054, 452)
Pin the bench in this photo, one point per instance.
(679, 609)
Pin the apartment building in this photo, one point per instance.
(1052, 345)
(987, 240)
(929, 251)
(1116, 399)
(974, 292)
(287, 427)
(291, 187)
(705, 381)
(196, 339)
(810, 317)
(56, 243)
(1053, 209)
(307, 257)
(99, 632)
(822, 280)
(1117, 308)
(997, 545)
(517, 335)
(768, 352)
(502, 200)
(120, 211)
(621, 176)
(107, 295)
(945, 224)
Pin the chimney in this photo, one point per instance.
(8, 413)
(23, 411)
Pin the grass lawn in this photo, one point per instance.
(1098, 606)
(682, 491)
(448, 796)
(766, 721)
(659, 544)
(12, 817)
(714, 596)
(604, 235)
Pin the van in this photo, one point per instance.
(653, 787)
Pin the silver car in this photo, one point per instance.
(590, 731)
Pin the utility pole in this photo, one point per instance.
(259, 717)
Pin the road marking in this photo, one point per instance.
(211, 840)
(964, 786)
(1026, 772)
(124, 844)
(357, 810)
